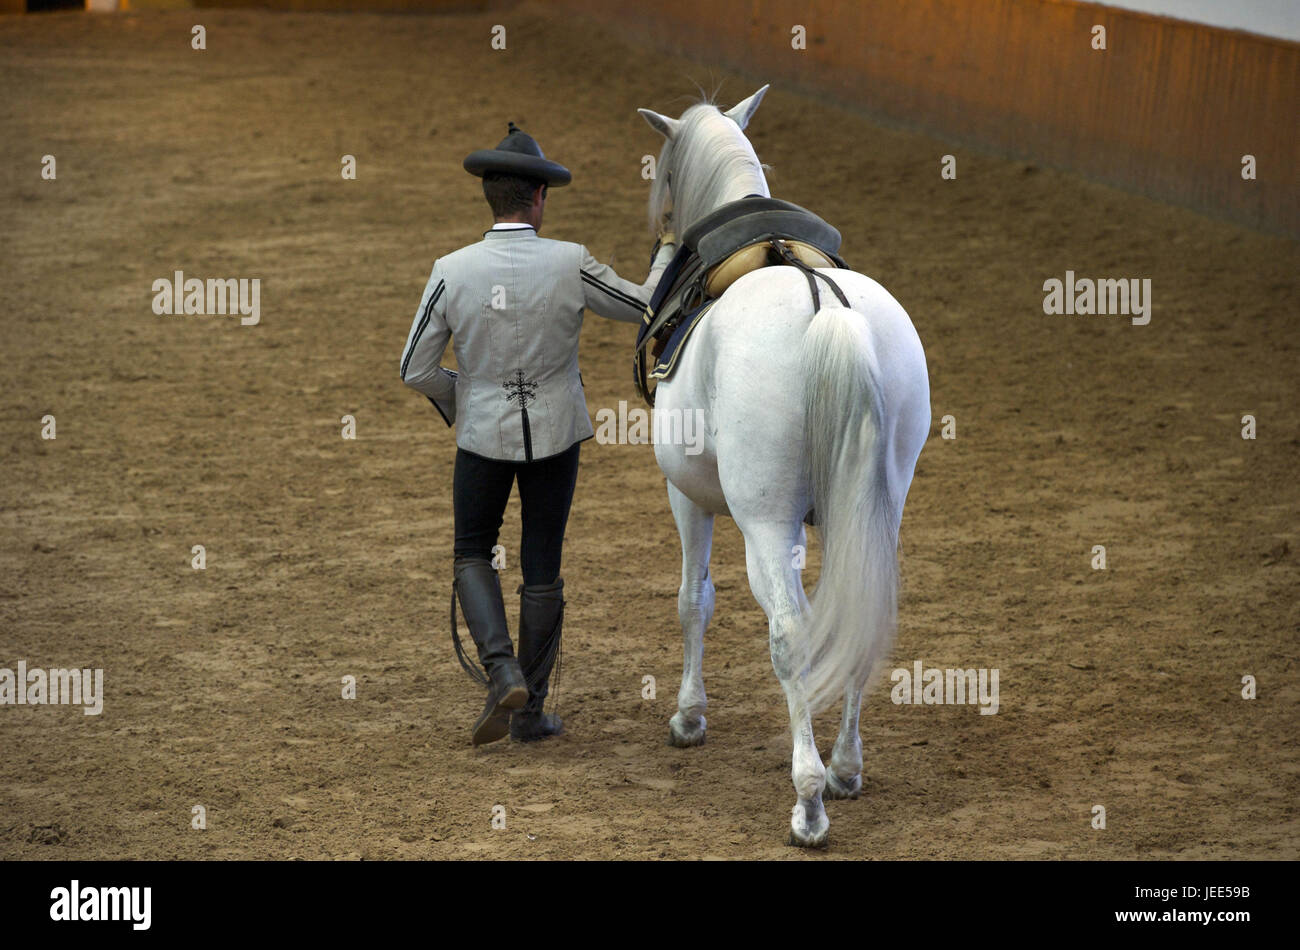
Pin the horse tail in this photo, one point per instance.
(855, 603)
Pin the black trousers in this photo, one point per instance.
(480, 490)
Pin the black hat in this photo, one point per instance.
(518, 154)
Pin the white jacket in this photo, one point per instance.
(513, 304)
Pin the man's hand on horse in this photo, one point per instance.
(667, 238)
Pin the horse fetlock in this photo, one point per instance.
(691, 702)
(841, 788)
(809, 787)
(846, 757)
(808, 776)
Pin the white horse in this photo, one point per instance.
(808, 415)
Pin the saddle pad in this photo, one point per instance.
(677, 342)
(667, 283)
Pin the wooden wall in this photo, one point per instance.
(406, 6)
(1167, 109)
(357, 6)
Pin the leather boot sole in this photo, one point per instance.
(494, 723)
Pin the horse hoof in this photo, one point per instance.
(838, 788)
(817, 842)
(805, 833)
(685, 735)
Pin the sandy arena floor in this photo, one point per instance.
(328, 558)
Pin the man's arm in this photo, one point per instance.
(425, 345)
(611, 296)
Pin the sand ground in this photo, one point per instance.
(328, 558)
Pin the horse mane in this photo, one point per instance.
(711, 162)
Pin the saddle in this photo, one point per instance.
(735, 239)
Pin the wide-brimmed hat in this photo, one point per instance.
(518, 154)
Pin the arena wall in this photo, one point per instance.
(1168, 109)
(327, 6)
(367, 6)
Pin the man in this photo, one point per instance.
(513, 305)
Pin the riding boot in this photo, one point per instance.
(541, 618)
(479, 590)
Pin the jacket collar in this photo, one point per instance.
(496, 233)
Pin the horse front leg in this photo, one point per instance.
(695, 610)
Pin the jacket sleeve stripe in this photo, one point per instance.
(424, 322)
(614, 292)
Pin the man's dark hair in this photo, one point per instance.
(509, 194)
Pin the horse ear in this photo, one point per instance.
(660, 123)
(744, 110)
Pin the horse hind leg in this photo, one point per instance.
(844, 777)
(844, 773)
(776, 586)
(695, 610)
